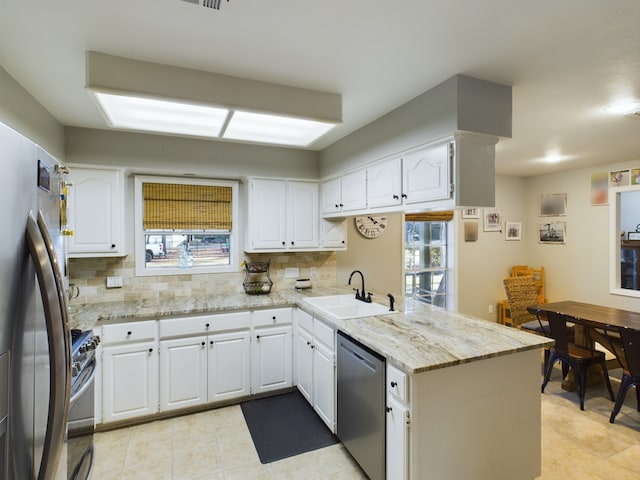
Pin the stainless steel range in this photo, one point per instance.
(81, 405)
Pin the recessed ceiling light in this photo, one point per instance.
(138, 113)
(624, 108)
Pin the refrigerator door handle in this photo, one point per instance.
(58, 352)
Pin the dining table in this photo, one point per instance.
(595, 318)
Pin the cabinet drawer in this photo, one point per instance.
(397, 383)
(304, 320)
(274, 316)
(179, 327)
(324, 333)
(129, 332)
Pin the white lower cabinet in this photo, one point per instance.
(398, 419)
(229, 366)
(183, 370)
(129, 371)
(201, 368)
(272, 352)
(315, 365)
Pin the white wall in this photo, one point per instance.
(579, 269)
(482, 265)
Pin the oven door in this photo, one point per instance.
(81, 424)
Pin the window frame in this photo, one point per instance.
(615, 286)
(139, 235)
(447, 258)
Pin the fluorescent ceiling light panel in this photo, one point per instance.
(138, 113)
(624, 108)
(264, 128)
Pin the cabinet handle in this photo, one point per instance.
(389, 409)
(150, 350)
(396, 197)
(273, 318)
(342, 205)
(206, 325)
(211, 342)
(203, 343)
(257, 337)
(404, 195)
(308, 343)
(128, 334)
(337, 206)
(284, 243)
(293, 243)
(113, 245)
(394, 384)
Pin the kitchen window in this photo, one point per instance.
(425, 257)
(185, 226)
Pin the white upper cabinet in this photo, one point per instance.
(344, 194)
(96, 213)
(333, 234)
(384, 183)
(302, 215)
(282, 215)
(425, 173)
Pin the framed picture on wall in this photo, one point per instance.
(552, 232)
(471, 213)
(492, 220)
(619, 178)
(512, 230)
(553, 205)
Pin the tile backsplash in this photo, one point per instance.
(90, 276)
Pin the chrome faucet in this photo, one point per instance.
(360, 296)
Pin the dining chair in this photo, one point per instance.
(572, 356)
(522, 293)
(625, 342)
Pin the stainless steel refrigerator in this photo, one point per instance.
(34, 334)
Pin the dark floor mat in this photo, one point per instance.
(285, 425)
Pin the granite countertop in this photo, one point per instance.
(417, 339)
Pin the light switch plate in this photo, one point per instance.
(291, 272)
(114, 282)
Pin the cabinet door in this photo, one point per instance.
(354, 191)
(334, 234)
(229, 365)
(397, 439)
(304, 363)
(130, 381)
(267, 214)
(183, 372)
(302, 215)
(324, 385)
(384, 183)
(330, 196)
(96, 213)
(426, 174)
(272, 357)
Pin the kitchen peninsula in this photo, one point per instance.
(467, 390)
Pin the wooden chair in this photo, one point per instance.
(572, 356)
(522, 293)
(625, 342)
(538, 278)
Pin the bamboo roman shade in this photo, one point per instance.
(170, 206)
(444, 216)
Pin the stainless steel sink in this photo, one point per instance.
(345, 306)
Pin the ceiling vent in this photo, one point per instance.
(215, 4)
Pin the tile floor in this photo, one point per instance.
(216, 445)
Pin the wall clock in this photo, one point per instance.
(370, 226)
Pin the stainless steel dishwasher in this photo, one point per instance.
(361, 425)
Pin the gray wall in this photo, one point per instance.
(458, 104)
(176, 156)
(20, 111)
